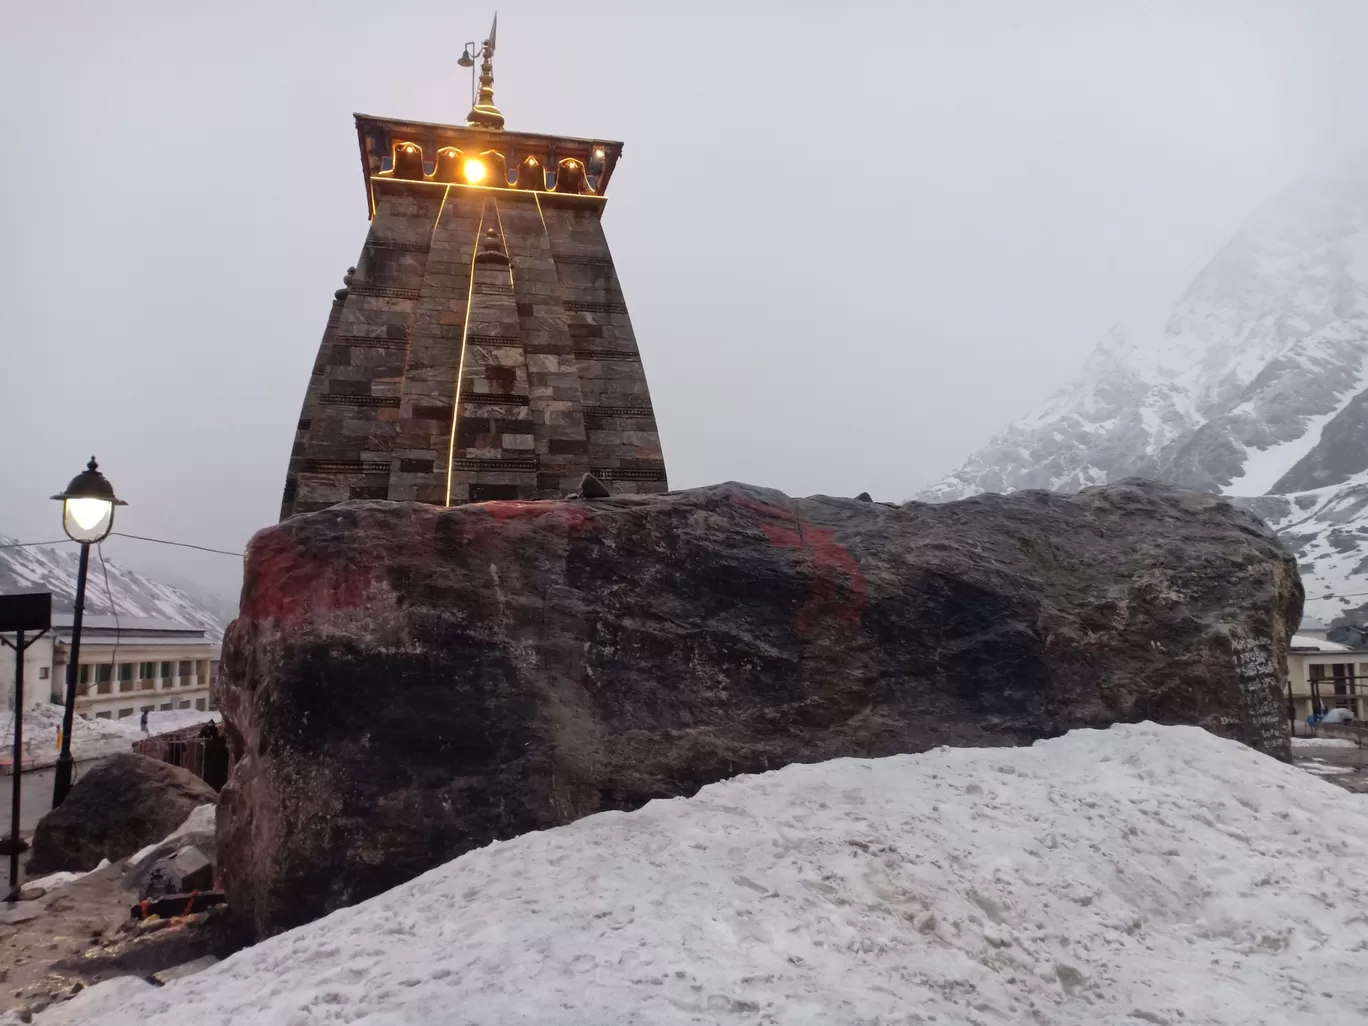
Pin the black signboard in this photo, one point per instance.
(31, 612)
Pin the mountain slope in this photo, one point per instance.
(1255, 385)
(48, 568)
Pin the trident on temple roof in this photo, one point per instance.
(484, 114)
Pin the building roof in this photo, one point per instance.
(141, 624)
(1303, 643)
(1311, 624)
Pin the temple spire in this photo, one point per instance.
(484, 114)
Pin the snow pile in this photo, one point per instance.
(90, 738)
(159, 722)
(200, 821)
(1323, 742)
(1137, 875)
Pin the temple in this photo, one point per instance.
(480, 349)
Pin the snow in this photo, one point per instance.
(1323, 742)
(1319, 644)
(90, 739)
(1263, 467)
(1141, 874)
(200, 821)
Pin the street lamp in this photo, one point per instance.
(87, 517)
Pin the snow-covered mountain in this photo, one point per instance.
(1256, 386)
(49, 568)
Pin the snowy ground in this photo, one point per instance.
(1323, 742)
(90, 738)
(1140, 875)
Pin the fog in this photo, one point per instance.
(856, 240)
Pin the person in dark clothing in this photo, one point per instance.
(215, 756)
(144, 721)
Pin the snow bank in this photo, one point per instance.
(1323, 742)
(90, 738)
(200, 821)
(1137, 875)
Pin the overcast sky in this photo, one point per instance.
(856, 239)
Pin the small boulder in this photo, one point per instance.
(591, 487)
(116, 808)
(190, 869)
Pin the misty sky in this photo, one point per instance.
(856, 239)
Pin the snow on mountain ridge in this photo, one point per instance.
(1256, 384)
(47, 568)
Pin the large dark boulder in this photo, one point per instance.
(405, 682)
(116, 807)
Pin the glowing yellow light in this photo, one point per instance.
(532, 161)
(408, 149)
(599, 153)
(88, 512)
(474, 171)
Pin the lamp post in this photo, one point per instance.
(87, 517)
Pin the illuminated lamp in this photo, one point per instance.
(474, 171)
(408, 161)
(570, 178)
(448, 165)
(88, 506)
(87, 517)
(531, 174)
(496, 168)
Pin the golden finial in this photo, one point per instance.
(484, 114)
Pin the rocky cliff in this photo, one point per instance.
(405, 683)
(1256, 384)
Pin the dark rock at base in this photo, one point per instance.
(117, 807)
(8, 847)
(591, 487)
(185, 872)
(405, 683)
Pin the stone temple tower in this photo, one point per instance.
(481, 349)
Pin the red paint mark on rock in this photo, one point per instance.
(287, 585)
(840, 591)
(575, 516)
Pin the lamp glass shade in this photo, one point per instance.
(86, 519)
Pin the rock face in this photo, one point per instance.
(406, 682)
(1255, 385)
(116, 808)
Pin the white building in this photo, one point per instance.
(1323, 675)
(127, 667)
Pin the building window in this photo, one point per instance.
(199, 704)
(147, 671)
(104, 672)
(213, 700)
(104, 715)
(213, 670)
(185, 668)
(125, 671)
(84, 675)
(185, 704)
(125, 713)
(202, 668)
(166, 707)
(168, 670)
(42, 673)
